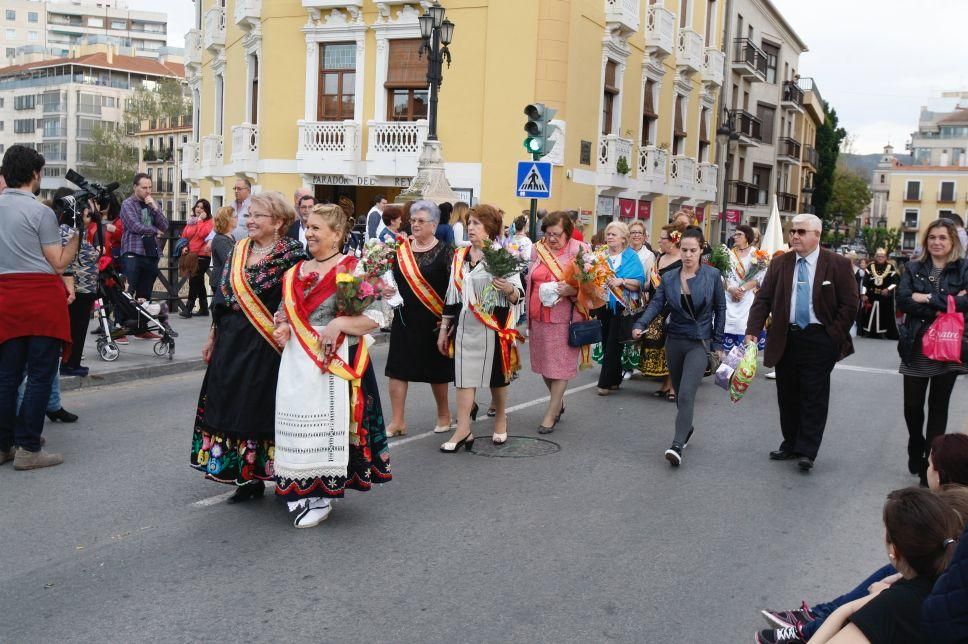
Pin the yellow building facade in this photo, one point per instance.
(333, 94)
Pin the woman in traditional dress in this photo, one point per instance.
(421, 273)
(742, 283)
(653, 361)
(485, 351)
(552, 306)
(233, 441)
(329, 423)
(880, 286)
(621, 290)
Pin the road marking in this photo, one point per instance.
(847, 367)
(214, 500)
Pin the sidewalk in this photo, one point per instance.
(138, 361)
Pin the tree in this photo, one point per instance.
(111, 155)
(887, 238)
(849, 195)
(829, 138)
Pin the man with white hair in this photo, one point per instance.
(812, 295)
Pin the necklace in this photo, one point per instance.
(325, 259)
(879, 276)
(260, 251)
(418, 248)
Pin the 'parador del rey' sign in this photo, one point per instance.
(353, 180)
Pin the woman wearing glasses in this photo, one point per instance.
(421, 274)
(233, 441)
(696, 300)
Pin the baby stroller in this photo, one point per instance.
(129, 315)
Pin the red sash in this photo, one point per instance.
(415, 279)
(507, 335)
(253, 308)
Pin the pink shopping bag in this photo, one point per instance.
(942, 341)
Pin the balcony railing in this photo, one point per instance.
(245, 143)
(786, 202)
(682, 176)
(749, 60)
(193, 47)
(248, 13)
(789, 148)
(328, 147)
(212, 155)
(742, 193)
(707, 176)
(712, 68)
(624, 13)
(689, 51)
(660, 30)
(214, 35)
(792, 96)
(748, 126)
(612, 148)
(811, 157)
(807, 85)
(393, 137)
(190, 161)
(652, 168)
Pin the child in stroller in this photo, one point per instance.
(130, 316)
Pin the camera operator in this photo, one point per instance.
(34, 322)
(144, 223)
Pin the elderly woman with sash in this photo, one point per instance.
(329, 423)
(743, 280)
(233, 441)
(552, 297)
(484, 338)
(421, 273)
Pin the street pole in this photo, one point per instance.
(533, 217)
(435, 76)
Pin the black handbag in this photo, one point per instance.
(626, 323)
(583, 332)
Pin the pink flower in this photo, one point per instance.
(367, 290)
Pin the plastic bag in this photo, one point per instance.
(743, 375)
(942, 340)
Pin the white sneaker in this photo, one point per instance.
(310, 512)
(771, 375)
(627, 375)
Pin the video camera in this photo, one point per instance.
(89, 190)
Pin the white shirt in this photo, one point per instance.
(812, 272)
(648, 260)
(241, 230)
(302, 235)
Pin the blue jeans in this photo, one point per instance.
(140, 271)
(38, 356)
(53, 403)
(823, 611)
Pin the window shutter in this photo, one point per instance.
(680, 130)
(610, 85)
(406, 68)
(703, 130)
(648, 102)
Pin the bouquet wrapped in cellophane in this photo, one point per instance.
(593, 271)
(376, 266)
(500, 263)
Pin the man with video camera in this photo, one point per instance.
(143, 223)
(34, 322)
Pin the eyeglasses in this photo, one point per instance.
(419, 221)
(236, 189)
(548, 233)
(636, 232)
(800, 232)
(255, 215)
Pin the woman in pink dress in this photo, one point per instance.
(551, 280)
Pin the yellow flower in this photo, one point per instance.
(344, 278)
(203, 458)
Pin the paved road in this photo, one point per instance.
(598, 542)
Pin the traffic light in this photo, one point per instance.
(539, 129)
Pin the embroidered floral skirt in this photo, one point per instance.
(731, 340)
(366, 465)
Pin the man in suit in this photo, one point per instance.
(812, 295)
(304, 207)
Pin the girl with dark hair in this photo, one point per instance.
(445, 232)
(948, 461)
(196, 257)
(939, 273)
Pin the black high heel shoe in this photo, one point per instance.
(452, 448)
(247, 492)
(474, 411)
(560, 413)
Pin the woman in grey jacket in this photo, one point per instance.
(695, 300)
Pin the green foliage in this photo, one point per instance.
(149, 154)
(887, 238)
(622, 166)
(834, 238)
(110, 156)
(829, 138)
(849, 196)
(719, 259)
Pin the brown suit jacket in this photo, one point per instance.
(835, 302)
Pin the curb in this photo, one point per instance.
(144, 372)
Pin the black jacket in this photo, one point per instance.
(944, 613)
(954, 279)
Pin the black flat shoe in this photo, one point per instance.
(185, 314)
(782, 455)
(474, 411)
(560, 414)
(491, 412)
(247, 492)
(547, 430)
(62, 415)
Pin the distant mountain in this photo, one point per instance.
(864, 164)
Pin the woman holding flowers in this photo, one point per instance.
(747, 268)
(329, 432)
(552, 292)
(621, 290)
(233, 441)
(653, 362)
(421, 274)
(480, 313)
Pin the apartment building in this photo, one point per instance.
(910, 197)
(53, 29)
(942, 136)
(54, 105)
(774, 114)
(635, 84)
(160, 154)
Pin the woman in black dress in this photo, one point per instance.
(421, 273)
(233, 441)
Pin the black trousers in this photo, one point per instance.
(80, 312)
(196, 285)
(919, 436)
(803, 388)
(611, 373)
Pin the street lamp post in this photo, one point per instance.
(431, 183)
(726, 136)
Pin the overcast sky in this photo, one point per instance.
(875, 61)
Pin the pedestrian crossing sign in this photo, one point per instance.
(534, 179)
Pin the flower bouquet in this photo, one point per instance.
(376, 265)
(719, 259)
(353, 294)
(761, 260)
(592, 272)
(501, 264)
